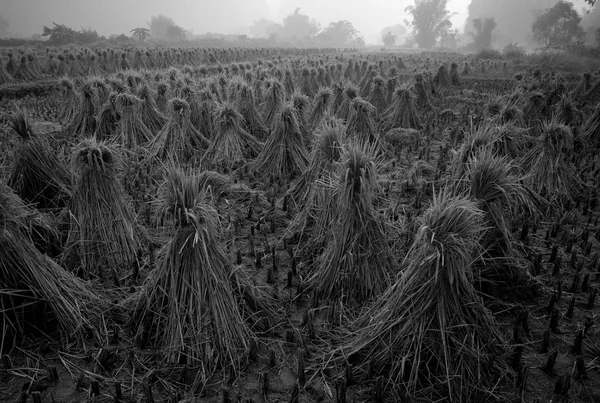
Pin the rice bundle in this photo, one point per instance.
(288, 82)
(376, 95)
(306, 85)
(357, 262)
(231, 144)
(102, 228)
(466, 70)
(321, 107)
(69, 99)
(152, 117)
(187, 308)
(429, 334)
(284, 155)
(484, 136)
(567, 113)
(107, 119)
(206, 108)
(422, 92)
(273, 103)
(301, 104)
(402, 113)
(23, 72)
(390, 85)
(131, 130)
(31, 283)
(338, 98)
(550, 173)
(83, 122)
(511, 113)
(584, 85)
(5, 76)
(37, 176)
(361, 125)
(11, 66)
(162, 99)
(350, 92)
(454, 76)
(442, 78)
(178, 139)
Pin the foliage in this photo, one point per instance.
(513, 50)
(489, 54)
(389, 39)
(60, 34)
(482, 38)
(449, 39)
(163, 27)
(558, 27)
(399, 31)
(341, 34)
(141, 34)
(430, 20)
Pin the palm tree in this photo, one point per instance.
(141, 34)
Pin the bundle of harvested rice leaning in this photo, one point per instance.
(253, 121)
(321, 107)
(103, 233)
(231, 144)
(454, 76)
(187, 308)
(284, 155)
(107, 119)
(131, 130)
(361, 122)
(357, 263)
(567, 113)
(466, 70)
(377, 95)
(273, 103)
(591, 130)
(402, 113)
(83, 122)
(162, 99)
(442, 78)
(423, 93)
(429, 334)
(150, 114)
(494, 185)
(36, 293)
(69, 100)
(37, 175)
(484, 136)
(350, 92)
(23, 72)
(5, 77)
(178, 139)
(301, 104)
(550, 172)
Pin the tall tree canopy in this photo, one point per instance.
(341, 34)
(558, 27)
(430, 20)
(163, 27)
(482, 37)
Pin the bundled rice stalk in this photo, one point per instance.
(442, 78)
(550, 174)
(231, 144)
(322, 107)
(36, 293)
(37, 176)
(484, 136)
(377, 96)
(5, 77)
(11, 66)
(187, 308)
(454, 75)
(584, 85)
(422, 92)
(350, 92)
(273, 103)
(23, 72)
(567, 113)
(429, 334)
(357, 263)
(301, 104)
(162, 99)
(150, 114)
(131, 131)
(590, 134)
(511, 113)
(361, 124)
(178, 140)
(107, 119)
(338, 98)
(83, 122)
(103, 233)
(69, 99)
(306, 85)
(466, 70)
(284, 155)
(402, 113)
(206, 107)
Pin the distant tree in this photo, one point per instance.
(263, 27)
(59, 34)
(398, 30)
(389, 39)
(176, 33)
(3, 27)
(449, 39)
(559, 27)
(341, 34)
(482, 38)
(301, 26)
(141, 34)
(430, 20)
(159, 26)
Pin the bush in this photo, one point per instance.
(567, 61)
(489, 54)
(513, 51)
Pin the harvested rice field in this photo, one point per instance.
(297, 225)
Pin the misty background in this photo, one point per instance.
(260, 18)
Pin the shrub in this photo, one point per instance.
(513, 51)
(489, 54)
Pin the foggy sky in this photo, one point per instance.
(27, 17)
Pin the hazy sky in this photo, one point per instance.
(225, 16)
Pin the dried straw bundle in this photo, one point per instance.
(5, 77)
(83, 122)
(302, 106)
(178, 139)
(131, 131)
(322, 107)
(357, 262)
(150, 114)
(454, 75)
(231, 144)
(361, 124)
(273, 103)
(442, 78)
(37, 175)
(253, 121)
(423, 93)
(466, 70)
(107, 119)
(350, 92)
(429, 334)
(402, 113)
(377, 96)
(69, 99)
(31, 282)
(23, 72)
(284, 155)
(102, 229)
(187, 307)
(591, 129)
